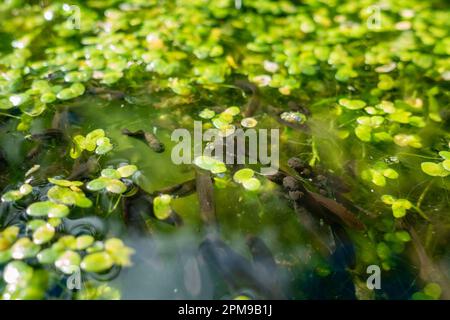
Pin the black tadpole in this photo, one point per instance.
(179, 190)
(83, 169)
(148, 137)
(106, 93)
(255, 101)
(205, 192)
(239, 272)
(321, 206)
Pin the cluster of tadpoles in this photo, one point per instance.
(259, 273)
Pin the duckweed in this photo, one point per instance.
(161, 206)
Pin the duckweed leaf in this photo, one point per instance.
(363, 133)
(24, 248)
(48, 256)
(17, 273)
(118, 251)
(446, 165)
(84, 241)
(116, 186)
(207, 114)
(94, 135)
(5, 104)
(7, 237)
(404, 140)
(161, 206)
(243, 175)
(66, 242)
(390, 173)
(12, 195)
(68, 262)
(383, 251)
(25, 189)
(19, 99)
(251, 184)
(433, 290)
(434, 169)
(43, 234)
(249, 122)
(68, 196)
(445, 155)
(210, 164)
(48, 97)
(94, 141)
(98, 184)
(232, 111)
(110, 173)
(352, 104)
(15, 195)
(378, 178)
(97, 262)
(399, 207)
(103, 146)
(47, 208)
(75, 90)
(127, 171)
(221, 122)
(65, 183)
(388, 199)
(403, 236)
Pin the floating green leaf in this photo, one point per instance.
(352, 104)
(207, 114)
(249, 122)
(434, 169)
(243, 175)
(116, 186)
(251, 184)
(97, 262)
(110, 173)
(65, 183)
(68, 196)
(127, 171)
(17, 273)
(43, 234)
(47, 208)
(24, 248)
(48, 256)
(84, 241)
(161, 206)
(118, 251)
(433, 290)
(210, 164)
(98, 184)
(15, 195)
(68, 262)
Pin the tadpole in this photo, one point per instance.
(205, 192)
(255, 101)
(147, 137)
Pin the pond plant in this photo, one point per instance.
(357, 89)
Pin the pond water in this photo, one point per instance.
(363, 121)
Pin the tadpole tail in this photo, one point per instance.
(254, 102)
(183, 189)
(237, 272)
(265, 267)
(344, 252)
(205, 193)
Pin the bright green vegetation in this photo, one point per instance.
(364, 106)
